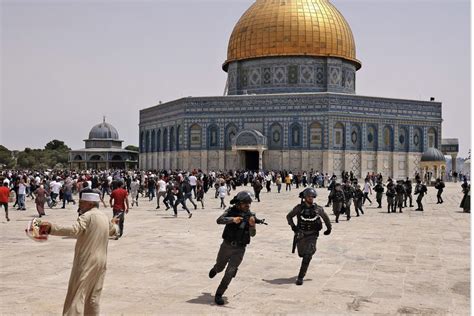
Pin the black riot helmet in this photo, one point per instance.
(308, 192)
(242, 197)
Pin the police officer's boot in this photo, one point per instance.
(218, 299)
(337, 218)
(212, 273)
(303, 269)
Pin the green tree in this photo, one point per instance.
(56, 145)
(6, 157)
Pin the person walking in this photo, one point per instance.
(420, 190)
(4, 195)
(439, 185)
(367, 190)
(119, 204)
(257, 188)
(40, 200)
(222, 191)
(92, 231)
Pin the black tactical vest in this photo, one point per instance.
(309, 219)
(238, 233)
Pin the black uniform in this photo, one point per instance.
(420, 190)
(391, 197)
(400, 191)
(236, 238)
(408, 191)
(307, 231)
(440, 187)
(337, 197)
(358, 200)
(349, 195)
(379, 193)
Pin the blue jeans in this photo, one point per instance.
(21, 201)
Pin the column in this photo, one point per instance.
(453, 162)
(260, 159)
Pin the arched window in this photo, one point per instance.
(388, 138)
(158, 140)
(153, 141)
(315, 135)
(96, 158)
(178, 134)
(355, 137)
(403, 138)
(195, 137)
(432, 139)
(276, 136)
(172, 139)
(418, 139)
(296, 136)
(213, 136)
(230, 133)
(338, 140)
(78, 157)
(165, 139)
(372, 137)
(147, 142)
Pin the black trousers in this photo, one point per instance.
(440, 199)
(366, 197)
(231, 256)
(419, 203)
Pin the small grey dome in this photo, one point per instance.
(103, 131)
(433, 154)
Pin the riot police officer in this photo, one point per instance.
(307, 229)
(420, 190)
(391, 207)
(439, 185)
(337, 197)
(240, 226)
(408, 190)
(379, 193)
(349, 193)
(400, 191)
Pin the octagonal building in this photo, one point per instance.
(291, 104)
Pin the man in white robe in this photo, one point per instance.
(92, 231)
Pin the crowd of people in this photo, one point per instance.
(173, 189)
(180, 188)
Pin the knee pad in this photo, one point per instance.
(232, 272)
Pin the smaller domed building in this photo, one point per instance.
(103, 150)
(433, 165)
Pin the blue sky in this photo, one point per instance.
(67, 63)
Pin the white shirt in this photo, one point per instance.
(55, 187)
(22, 188)
(367, 187)
(192, 180)
(222, 191)
(161, 186)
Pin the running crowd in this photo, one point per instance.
(174, 189)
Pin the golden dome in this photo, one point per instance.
(291, 28)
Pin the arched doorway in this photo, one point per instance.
(250, 144)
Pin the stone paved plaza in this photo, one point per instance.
(379, 263)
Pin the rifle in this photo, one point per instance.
(246, 217)
(295, 240)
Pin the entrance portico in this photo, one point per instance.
(250, 144)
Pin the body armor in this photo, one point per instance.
(309, 219)
(237, 233)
